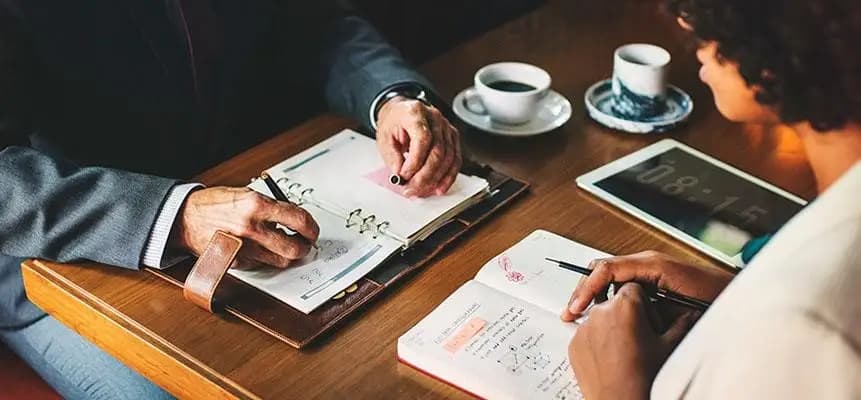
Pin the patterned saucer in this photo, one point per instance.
(600, 105)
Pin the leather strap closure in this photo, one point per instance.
(204, 278)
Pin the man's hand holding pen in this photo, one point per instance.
(431, 144)
(250, 216)
(433, 160)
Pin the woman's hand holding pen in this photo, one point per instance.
(650, 269)
(248, 215)
(619, 349)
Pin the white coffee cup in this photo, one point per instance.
(509, 92)
(640, 80)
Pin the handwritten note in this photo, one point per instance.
(496, 346)
(344, 257)
(522, 271)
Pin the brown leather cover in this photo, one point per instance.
(298, 329)
(206, 274)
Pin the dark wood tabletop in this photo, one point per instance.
(145, 322)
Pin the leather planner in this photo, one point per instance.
(205, 282)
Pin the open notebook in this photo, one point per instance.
(499, 335)
(363, 219)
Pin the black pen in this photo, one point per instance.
(663, 294)
(396, 179)
(273, 187)
(279, 194)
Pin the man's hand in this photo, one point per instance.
(617, 352)
(431, 144)
(249, 215)
(650, 269)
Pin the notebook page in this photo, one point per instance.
(522, 272)
(346, 169)
(494, 346)
(344, 257)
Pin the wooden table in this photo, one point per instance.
(145, 322)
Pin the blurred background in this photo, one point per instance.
(425, 30)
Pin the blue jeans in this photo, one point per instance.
(74, 367)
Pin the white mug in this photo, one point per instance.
(509, 92)
(640, 80)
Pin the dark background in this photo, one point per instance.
(424, 29)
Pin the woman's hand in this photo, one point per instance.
(650, 269)
(618, 351)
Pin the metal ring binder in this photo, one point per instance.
(369, 220)
(355, 213)
(291, 192)
(300, 194)
(380, 227)
(307, 191)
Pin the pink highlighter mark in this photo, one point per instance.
(463, 336)
(510, 273)
(381, 178)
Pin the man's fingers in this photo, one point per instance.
(458, 160)
(426, 180)
(294, 217)
(253, 254)
(421, 143)
(288, 247)
(442, 133)
(444, 173)
(449, 178)
(392, 153)
(422, 183)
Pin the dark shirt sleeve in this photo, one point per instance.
(355, 63)
(51, 208)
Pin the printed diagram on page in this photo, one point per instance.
(517, 358)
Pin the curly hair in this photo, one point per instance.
(802, 57)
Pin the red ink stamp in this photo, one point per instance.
(510, 273)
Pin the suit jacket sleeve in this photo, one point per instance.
(358, 64)
(53, 209)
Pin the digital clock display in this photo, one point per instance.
(703, 200)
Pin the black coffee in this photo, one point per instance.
(511, 86)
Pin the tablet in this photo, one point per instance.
(695, 198)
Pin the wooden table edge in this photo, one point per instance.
(169, 367)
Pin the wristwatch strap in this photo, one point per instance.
(410, 90)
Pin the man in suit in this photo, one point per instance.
(106, 106)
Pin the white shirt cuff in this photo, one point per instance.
(382, 97)
(154, 256)
(372, 114)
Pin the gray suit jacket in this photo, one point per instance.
(102, 111)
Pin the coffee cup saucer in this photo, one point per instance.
(554, 110)
(599, 105)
